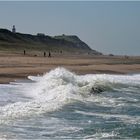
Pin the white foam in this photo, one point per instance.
(101, 135)
(57, 88)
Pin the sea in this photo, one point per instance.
(62, 105)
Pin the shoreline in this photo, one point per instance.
(16, 66)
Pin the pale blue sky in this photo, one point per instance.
(109, 27)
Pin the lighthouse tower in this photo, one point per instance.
(14, 29)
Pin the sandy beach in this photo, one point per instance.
(14, 66)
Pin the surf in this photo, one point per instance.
(60, 87)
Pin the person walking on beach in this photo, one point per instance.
(49, 54)
(44, 54)
(24, 52)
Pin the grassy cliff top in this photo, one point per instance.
(42, 42)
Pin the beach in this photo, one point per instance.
(15, 65)
(69, 96)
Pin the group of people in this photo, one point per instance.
(49, 55)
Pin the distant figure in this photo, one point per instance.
(24, 52)
(14, 29)
(49, 54)
(44, 54)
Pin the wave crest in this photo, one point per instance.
(59, 87)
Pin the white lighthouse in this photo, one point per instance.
(14, 29)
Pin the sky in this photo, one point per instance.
(106, 26)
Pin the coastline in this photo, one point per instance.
(15, 66)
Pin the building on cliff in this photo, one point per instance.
(14, 29)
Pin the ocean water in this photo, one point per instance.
(63, 105)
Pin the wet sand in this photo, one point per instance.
(14, 66)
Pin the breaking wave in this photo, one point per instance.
(59, 87)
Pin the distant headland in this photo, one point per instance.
(12, 40)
